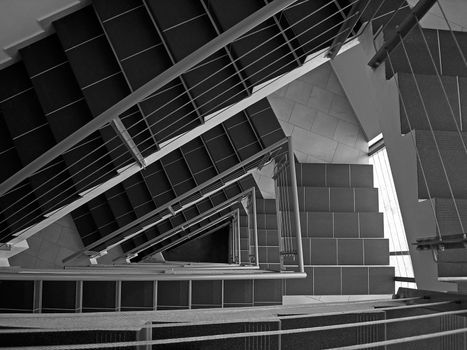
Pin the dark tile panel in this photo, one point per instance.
(107, 9)
(132, 32)
(346, 225)
(17, 296)
(323, 251)
(58, 296)
(376, 251)
(13, 80)
(137, 295)
(43, 54)
(207, 293)
(327, 281)
(354, 280)
(172, 294)
(78, 27)
(320, 224)
(350, 252)
(99, 296)
(381, 280)
(238, 292)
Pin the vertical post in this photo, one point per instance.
(238, 239)
(79, 297)
(37, 301)
(296, 208)
(255, 226)
(279, 219)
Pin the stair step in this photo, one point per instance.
(225, 86)
(137, 44)
(343, 280)
(440, 113)
(268, 238)
(342, 224)
(333, 199)
(100, 78)
(317, 31)
(85, 224)
(16, 213)
(345, 251)
(265, 206)
(8, 153)
(139, 195)
(334, 175)
(269, 56)
(447, 217)
(443, 51)
(120, 205)
(62, 101)
(102, 215)
(455, 162)
(25, 124)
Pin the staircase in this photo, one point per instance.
(344, 248)
(432, 93)
(101, 53)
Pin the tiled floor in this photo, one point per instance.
(316, 112)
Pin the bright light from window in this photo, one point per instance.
(393, 225)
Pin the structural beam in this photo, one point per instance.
(422, 7)
(124, 135)
(146, 90)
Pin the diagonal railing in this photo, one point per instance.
(144, 92)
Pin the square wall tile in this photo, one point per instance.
(350, 251)
(354, 280)
(327, 280)
(323, 251)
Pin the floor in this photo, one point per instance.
(49, 247)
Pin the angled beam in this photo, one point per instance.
(346, 29)
(190, 222)
(125, 136)
(138, 223)
(146, 90)
(259, 92)
(190, 235)
(420, 9)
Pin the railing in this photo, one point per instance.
(188, 199)
(234, 239)
(419, 319)
(288, 210)
(96, 184)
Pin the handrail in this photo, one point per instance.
(205, 230)
(420, 9)
(137, 224)
(104, 275)
(177, 229)
(146, 90)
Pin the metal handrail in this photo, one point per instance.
(131, 229)
(179, 228)
(286, 163)
(146, 90)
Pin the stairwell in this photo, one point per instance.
(432, 94)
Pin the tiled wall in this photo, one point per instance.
(316, 112)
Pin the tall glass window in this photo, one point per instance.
(393, 225)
